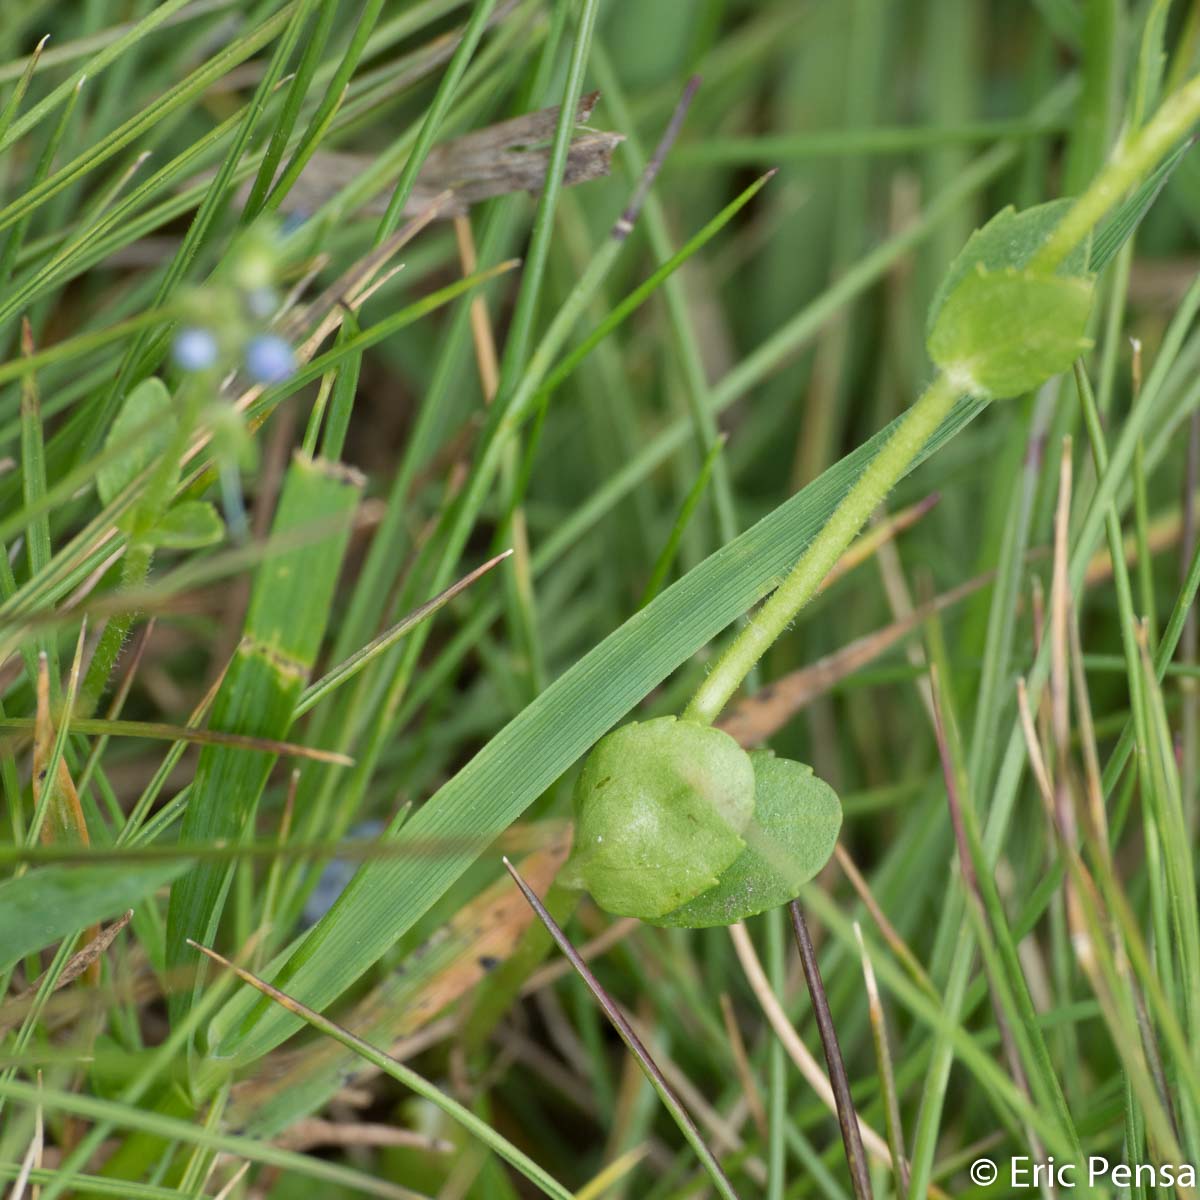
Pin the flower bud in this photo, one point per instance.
(194, 349)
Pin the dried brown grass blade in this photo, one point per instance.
(79, 962)
(510, 156)
(158, 731)
(64, 816)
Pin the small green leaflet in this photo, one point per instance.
(1000, 328)
(190, 525)
(145, 424)
(1004, 333)
(1009, 239)
(796, 822)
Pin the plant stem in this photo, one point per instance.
(1133, 161)
(870, 489)
(856, 1156)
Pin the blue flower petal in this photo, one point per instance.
(269, 358)
(194, 349)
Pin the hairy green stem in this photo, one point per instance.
(1131, 163)
(818, 559)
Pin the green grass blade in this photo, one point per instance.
(18, 93)
(43, 906)
(97, 63)
(284, 626)
(181, 94)
(398, 1071)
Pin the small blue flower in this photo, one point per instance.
(334, 879)
(269, 358)
(194, 349)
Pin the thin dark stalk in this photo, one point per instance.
(856, 1156)
(621, 1024)
(626, 221)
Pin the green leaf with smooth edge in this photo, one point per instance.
(147, 406)
(1009, 239)
(1006, 332)
(660, 807)
(44, 906)
(190, 525)
(385, 899)
(796, 822)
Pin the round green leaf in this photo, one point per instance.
(796, 822)
(660, 807)
(188, 526)
(142, 429)
(1003, 333)
(1009, 239)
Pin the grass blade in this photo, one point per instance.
(630, 1038)
(467, 1119)
(284, 627)
(44, 906)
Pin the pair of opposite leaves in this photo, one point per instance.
(675, 823)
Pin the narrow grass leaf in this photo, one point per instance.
(457, 960)
(288, 612)
(345, 671)
(398, 1071)
(46, 905)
